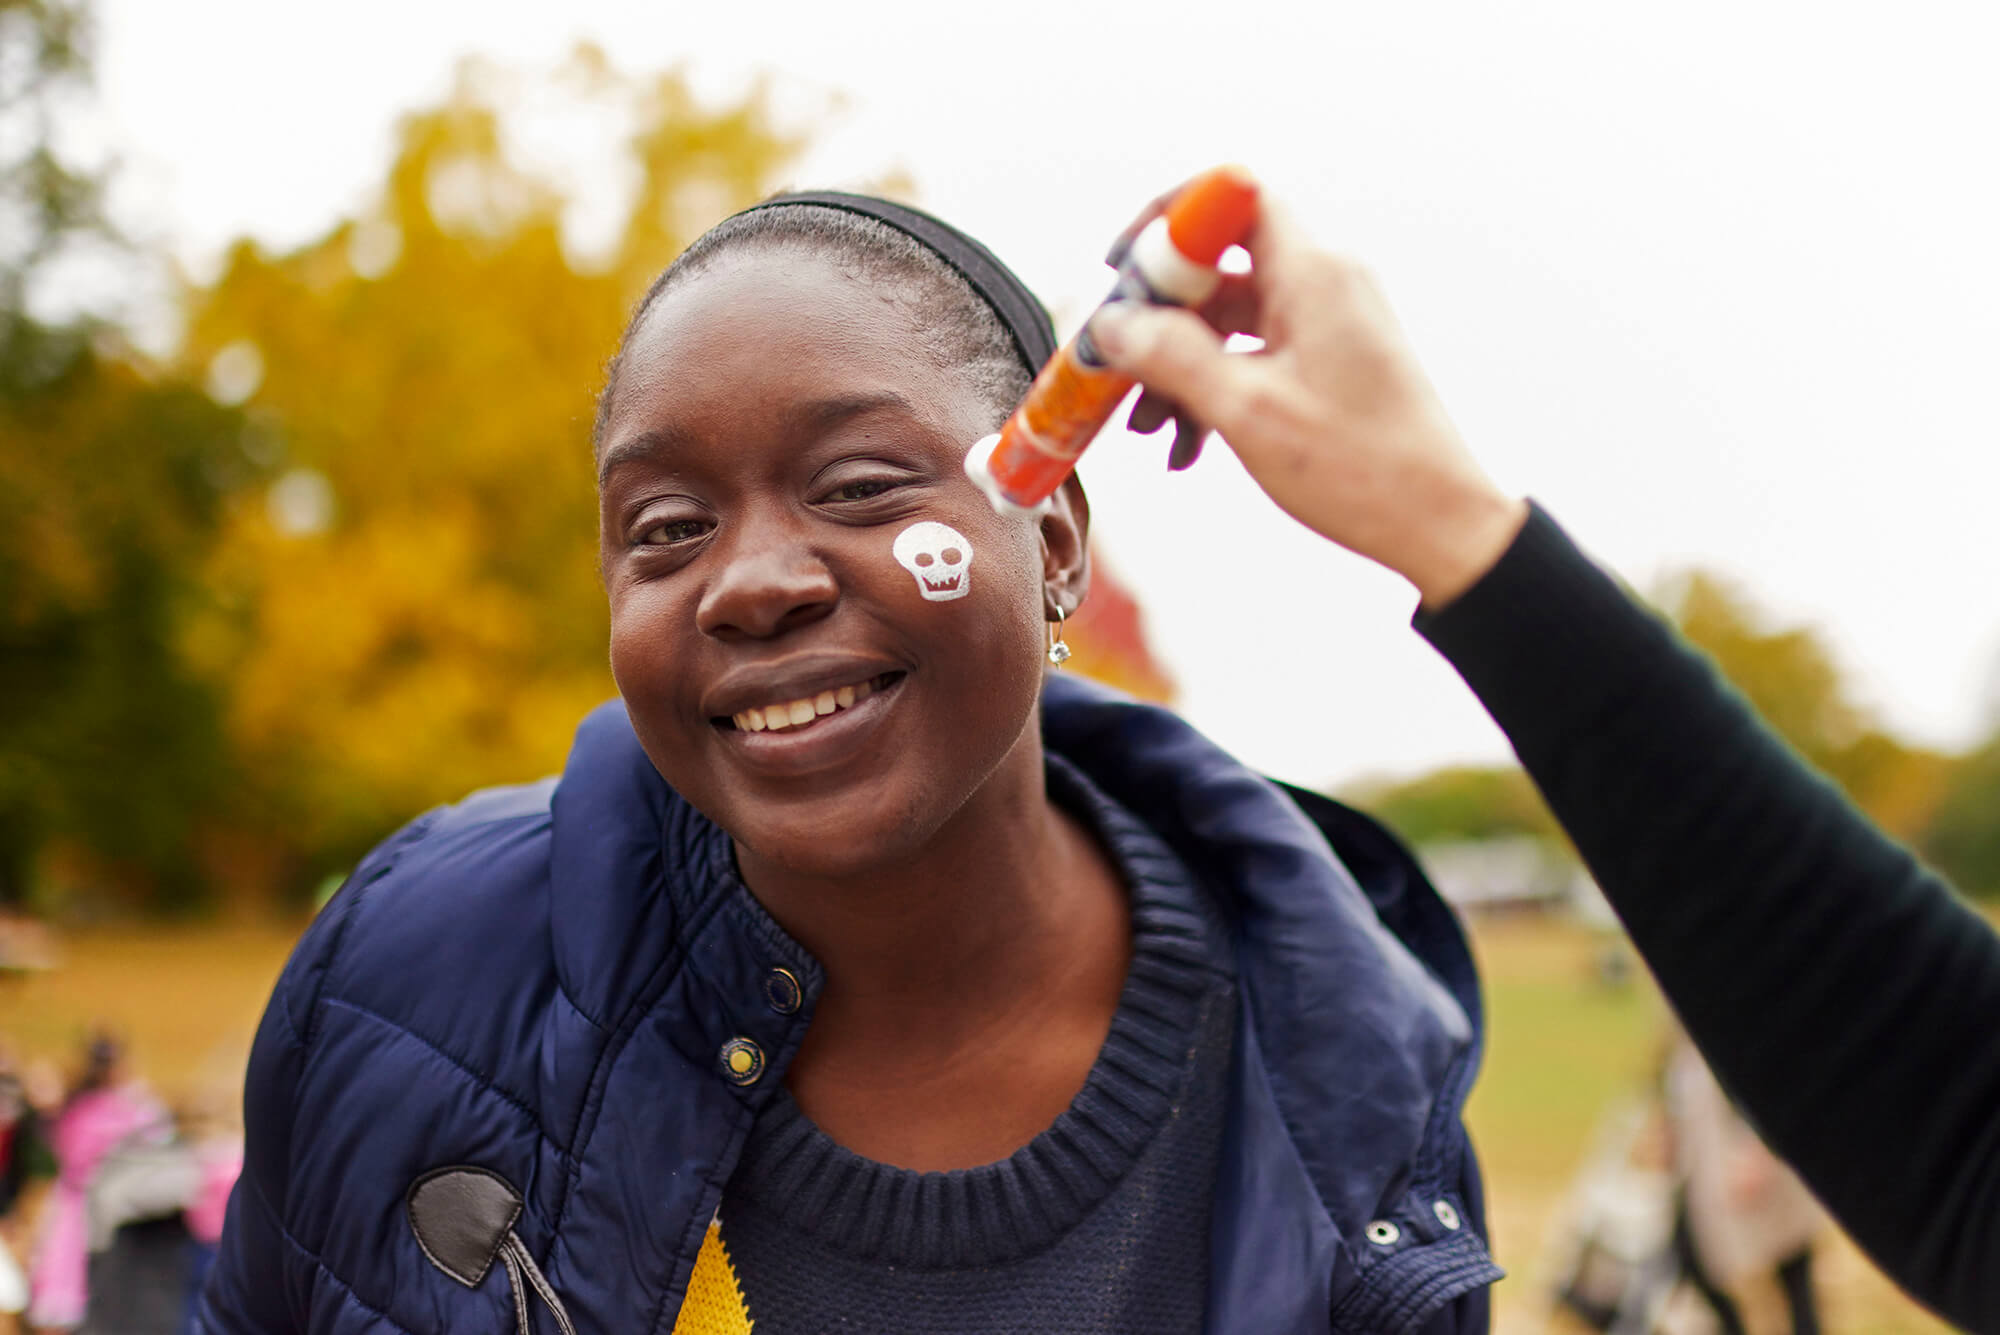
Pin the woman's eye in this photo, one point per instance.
(862, 490)
(673, 531)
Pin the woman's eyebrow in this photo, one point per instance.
(819, 416)
(805, 421)
(646, 445)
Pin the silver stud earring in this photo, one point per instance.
(1058, 651)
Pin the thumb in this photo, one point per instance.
(1172, 352)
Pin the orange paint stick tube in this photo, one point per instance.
(1172, 262)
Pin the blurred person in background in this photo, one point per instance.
(1743, 1220)
(1843, 994)
(20, 1148)
(1681, 1219)
(103, 1109)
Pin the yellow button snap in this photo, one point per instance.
(742, 1061)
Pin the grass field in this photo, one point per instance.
(1560, 1046)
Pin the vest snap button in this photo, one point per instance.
(1446, 1215)
(1383, 1233)
(782, 992)
(741, 1061)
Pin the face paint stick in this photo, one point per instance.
(1172, 262)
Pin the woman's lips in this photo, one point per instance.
(828, 740)
(807, 710)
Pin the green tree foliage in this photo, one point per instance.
(1963, 838)
(111, 489)
(110, 492)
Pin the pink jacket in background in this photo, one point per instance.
(82, 1134)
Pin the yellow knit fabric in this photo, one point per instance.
(714, 1302)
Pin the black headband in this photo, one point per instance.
(1027, 323)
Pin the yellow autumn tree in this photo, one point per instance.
(411, 609)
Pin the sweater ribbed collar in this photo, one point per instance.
(1016, 1207)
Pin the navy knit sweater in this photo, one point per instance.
(1100, 1224)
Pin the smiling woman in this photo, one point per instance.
(857, 973)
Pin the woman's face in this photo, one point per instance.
(776, 426)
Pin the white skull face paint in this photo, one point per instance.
(939, 556)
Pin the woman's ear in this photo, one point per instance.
(1066, 550)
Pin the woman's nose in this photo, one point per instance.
(771, 582)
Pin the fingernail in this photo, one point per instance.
(1111, 328)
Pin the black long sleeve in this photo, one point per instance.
(1844, 995)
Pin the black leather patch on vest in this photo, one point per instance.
(461, 1216)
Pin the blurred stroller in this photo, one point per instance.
(139, 1240)
(1613, 1256)
(1679, 1213)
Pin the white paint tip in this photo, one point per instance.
(978, 467)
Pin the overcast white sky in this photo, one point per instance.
(1717, 282)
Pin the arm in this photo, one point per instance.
(1842, 993)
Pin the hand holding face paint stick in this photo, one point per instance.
(1333, 416)
(1171, 261)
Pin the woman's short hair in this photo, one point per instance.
(962, 333)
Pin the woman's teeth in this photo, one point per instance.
(796, 713)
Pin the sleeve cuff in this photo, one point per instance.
(1545, 631)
